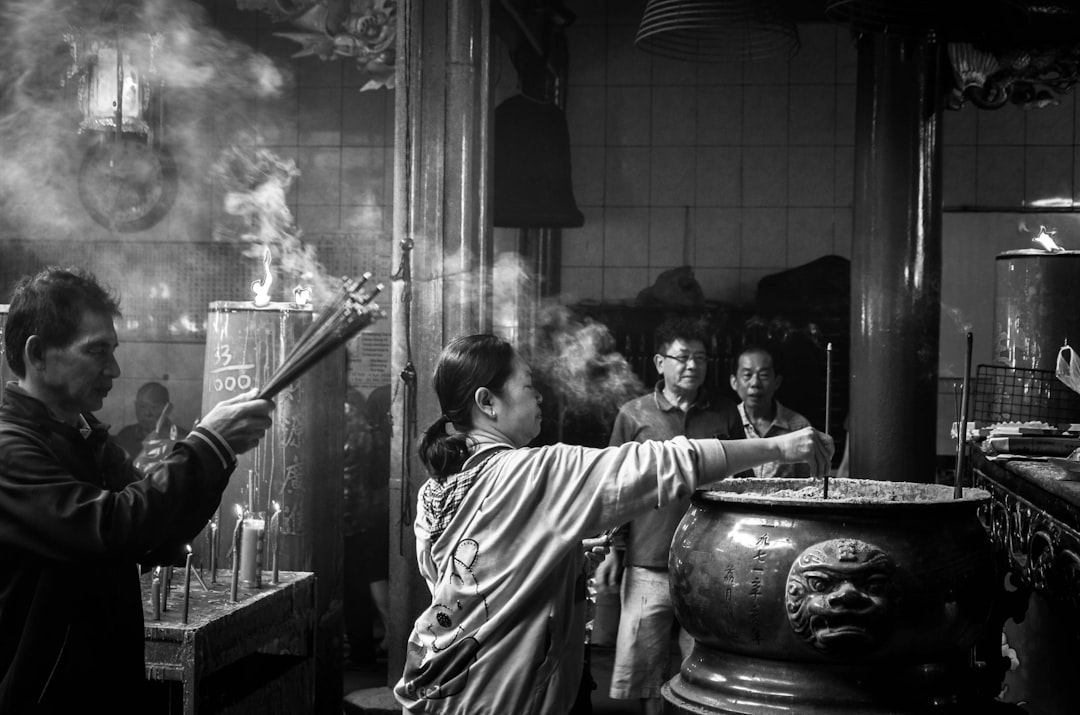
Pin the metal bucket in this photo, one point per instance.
(299, 463)
(1036, 307)
(867, 602)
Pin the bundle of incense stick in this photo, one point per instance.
(351, 312)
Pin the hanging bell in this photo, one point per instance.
(532, 186)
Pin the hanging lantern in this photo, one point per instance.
(717, 30)
(127, 180)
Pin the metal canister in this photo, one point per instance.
(1036, 307)
(299, 463)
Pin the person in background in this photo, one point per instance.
(153, 420)
(500, 529)
(680, 404)
(77, 517)
(755, 377)
(367, 524)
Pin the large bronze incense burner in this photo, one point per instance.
(866, 602)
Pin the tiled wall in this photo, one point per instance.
(742, 170)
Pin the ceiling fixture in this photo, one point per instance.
(717, 30)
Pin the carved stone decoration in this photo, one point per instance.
(839, 596)
(364, 30)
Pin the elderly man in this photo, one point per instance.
(76, 518)
(755, 378)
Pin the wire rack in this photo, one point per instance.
(1013, 394)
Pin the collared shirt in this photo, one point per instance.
(653, 417)
(785, 422)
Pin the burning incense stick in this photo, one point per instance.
(350, 313)
(961, 431)
(828, 400)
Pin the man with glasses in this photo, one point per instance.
(755, 377)
(680, 404)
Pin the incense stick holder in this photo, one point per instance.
(865, 602)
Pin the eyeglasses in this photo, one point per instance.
(699, 358)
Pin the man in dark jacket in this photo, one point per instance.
(75, 517)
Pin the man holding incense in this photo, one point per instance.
(75, 516)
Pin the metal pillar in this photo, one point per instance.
(896, 259)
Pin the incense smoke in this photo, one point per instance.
(209, 82)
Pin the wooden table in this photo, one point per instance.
(251, 656)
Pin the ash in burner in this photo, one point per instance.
(849, 491)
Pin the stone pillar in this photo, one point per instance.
(896, 259)
(442, 234)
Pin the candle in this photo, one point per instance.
(251, 552)
(275, 540)
(236, 550)
(251, 491)
(187, 584)
(166, 584)
(155, 593)
(211, 548)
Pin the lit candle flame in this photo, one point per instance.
(262, 287)
(277, 507)
(239, 512)
(1045, 240)
(301, 296)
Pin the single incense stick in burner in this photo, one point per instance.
(350, 313)
(828, 406)
(961, 429)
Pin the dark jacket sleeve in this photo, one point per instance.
(54, 505)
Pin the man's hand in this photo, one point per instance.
(596, 549)
(608, 572)
(241, 421)
(810, 446)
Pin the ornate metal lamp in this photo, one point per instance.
(717, 30)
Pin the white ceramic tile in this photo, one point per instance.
(844, 194)
(1001, 126)
(765, 115)
(320, 175)
(674, 111)
(958, 176)
(960, 126)
(628, 116)
(624, 284)
(719, 176)
(588, 169)
(318, 217)
(1048, 176)
(999, 178)
(815, 62)
(765, 176)
(586, 112)
(718, 237)
(363, 121)
(847, 56)
(719, 284)
(710, 73)
(626, 177)
(810, 234)
(320, 116)
(671, 242)
(764, 238)
(771, 70)
(845, 115)
(626, 237)
(581, 284)
(673, 174)
(587, 53)
(1054, 125)
(363, 176)
(719, 115)
(584, 246)
(748, 282)
(672, 72)
(842, 232)
(626, 64)
(810, 170)
(813, 116)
